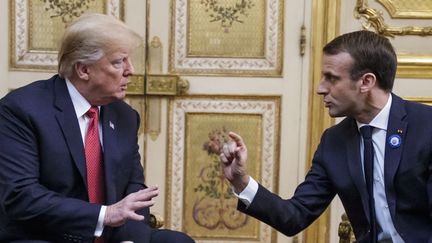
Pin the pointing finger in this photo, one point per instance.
(237, 138)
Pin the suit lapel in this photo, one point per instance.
(67, 119)
(355, 165)
(111, 155)
(392, 158)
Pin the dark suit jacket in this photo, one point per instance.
(336, 170)
(43, 187)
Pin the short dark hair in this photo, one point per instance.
(370, 53)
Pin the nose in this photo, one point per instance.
(129, 68)
(322, 89)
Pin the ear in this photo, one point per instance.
(82, 70)
(368, 82)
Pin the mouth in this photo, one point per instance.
(123, 87)
(327, 104)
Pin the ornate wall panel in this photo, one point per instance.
(408, 8)
(412, 64)
(231, 37)
(199, 200)
(36, 27)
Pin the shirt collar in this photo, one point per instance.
(381, 120)
(80, 104)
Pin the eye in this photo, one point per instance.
(330, 78)
(118, 62)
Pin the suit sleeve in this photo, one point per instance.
(22, 197)
(136, 181)
(136, 231)
(290, 216)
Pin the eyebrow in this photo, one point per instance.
(329, 74)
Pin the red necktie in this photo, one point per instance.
(94, 161)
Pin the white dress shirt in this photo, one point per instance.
(388, 233)
(81, 106)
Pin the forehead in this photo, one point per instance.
(338, 63)
(116, 52)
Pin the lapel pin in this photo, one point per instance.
(399, 131)
(111, 125)
(395, 141)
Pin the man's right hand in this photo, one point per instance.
(233, 160)
(118, 213)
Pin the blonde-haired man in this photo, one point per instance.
(71, 171)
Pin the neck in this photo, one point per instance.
(374, 103)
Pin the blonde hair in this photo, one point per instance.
(89, 38)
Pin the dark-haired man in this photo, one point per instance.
(378, 160)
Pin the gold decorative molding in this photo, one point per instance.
(325, 26)
(157, 85)
(166, 84)
(161, 84)
(155, 56)
(414, 65)
(136, 85)
(374, 19)
(410, 9)
(410, 65)
(201, 47)
(424, 100)
(153, 116)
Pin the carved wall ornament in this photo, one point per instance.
(410, 65)
(409, 9)
(227, 15)
(67, 10)
(374, 19)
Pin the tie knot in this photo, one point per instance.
(366, 131)
(92, 112)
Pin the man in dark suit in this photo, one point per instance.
(69, 167)
(358, 74)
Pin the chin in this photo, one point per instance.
(121, 96)
(334, 114)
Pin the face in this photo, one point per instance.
(108, 77)
(341, 94)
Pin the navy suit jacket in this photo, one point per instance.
(336, 170)
(43, 185)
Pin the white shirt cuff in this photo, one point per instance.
(99, 225)
(248, 194)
